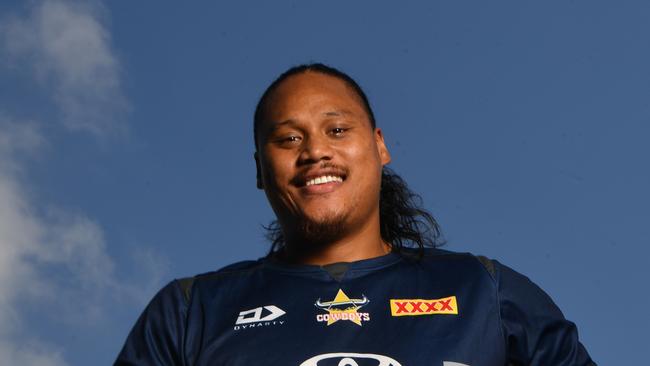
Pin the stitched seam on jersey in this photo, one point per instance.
(487, 264)
(497, 278)
(495, 281)
(186, 284)
(186, 316)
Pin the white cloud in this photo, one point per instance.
(20, 236)
(18, 229)
(53, 258)
(66, 46)
(31, 354)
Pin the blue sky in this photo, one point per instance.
(126, 149)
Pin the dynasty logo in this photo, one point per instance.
(263, 316)
(413, 307)
(342, 308)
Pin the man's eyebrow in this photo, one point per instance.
(292, 122)
(276, 125)
(338, 113)
(285, 122)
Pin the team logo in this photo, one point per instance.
(342, 308)
(350, 359)
(259, 317)
(414, 307)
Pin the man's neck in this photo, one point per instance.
(363, 243)
(342, 252)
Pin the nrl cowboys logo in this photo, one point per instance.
(342, 308)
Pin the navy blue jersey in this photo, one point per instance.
(446, 309)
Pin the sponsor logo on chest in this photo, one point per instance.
(263, 316)
(351, 359)
(358, 359)
(415, 307)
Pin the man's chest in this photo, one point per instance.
(348, 324)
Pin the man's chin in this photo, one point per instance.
(318, 232)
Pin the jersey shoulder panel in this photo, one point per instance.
(535, 330)
(488, 265)
(187, 284)
(464, 265)
(236, 268)
(240, 266)
(158, 335)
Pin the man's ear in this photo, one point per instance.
(259, 173)
(384, 155)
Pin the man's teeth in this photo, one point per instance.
(324, 179)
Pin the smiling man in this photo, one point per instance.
(319, 160)
(353, 276)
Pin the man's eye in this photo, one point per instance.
(292, 138)
(338, 131)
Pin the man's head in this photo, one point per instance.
(314, 120)
(319, 155)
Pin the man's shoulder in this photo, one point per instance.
(232, 271)
(436, 256)
(437, 253)
(237, 267)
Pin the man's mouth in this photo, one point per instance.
(320, 176)
(323, 180)
(320, 181)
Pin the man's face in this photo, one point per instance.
(319, 160)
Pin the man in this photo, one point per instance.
(348, 280)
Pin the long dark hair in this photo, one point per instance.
(404, 223)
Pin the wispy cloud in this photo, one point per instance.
(51, 257)
(20, 236)
(66, 46)
(30, 354)
(54, 258)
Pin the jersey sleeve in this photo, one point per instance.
(157, 336)
(535, 330)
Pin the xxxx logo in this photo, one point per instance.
(414, 307)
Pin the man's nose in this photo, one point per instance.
(315, 148)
